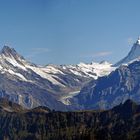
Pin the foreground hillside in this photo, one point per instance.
(122, 122)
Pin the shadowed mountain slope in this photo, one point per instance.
(121, 122)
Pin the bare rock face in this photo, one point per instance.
(109, 91)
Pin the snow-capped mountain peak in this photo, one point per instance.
(138, 41)
(92, 70)
(7, 51)
(10, 55)
(132, 55)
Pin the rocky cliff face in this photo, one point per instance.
(107, 92)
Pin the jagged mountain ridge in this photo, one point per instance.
(31, 85)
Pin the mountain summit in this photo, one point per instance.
(10, 52)
(134, 54)
(7, 49)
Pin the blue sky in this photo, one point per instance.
(70, 31)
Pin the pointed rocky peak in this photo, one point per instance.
(138, 41)
(133, 55)
(10, 52)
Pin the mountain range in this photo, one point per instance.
(69, 87)
(31, 85)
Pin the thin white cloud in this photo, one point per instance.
(37, 51)
(97, 54)
(40, 50)
(101, 54)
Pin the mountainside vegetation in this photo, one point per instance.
(121, 122)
